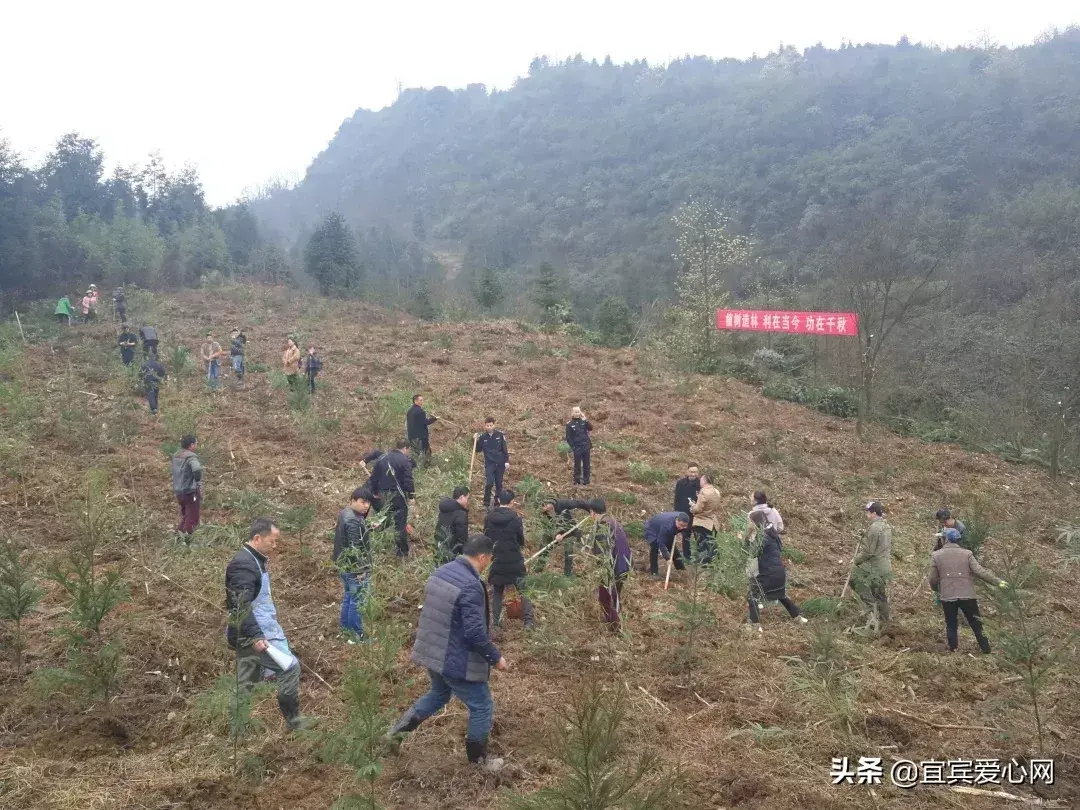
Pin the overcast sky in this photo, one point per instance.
(251, 90)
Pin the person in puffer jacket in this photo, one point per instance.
(503, 525)
(770, 584)
(452, 642)
(452, 528)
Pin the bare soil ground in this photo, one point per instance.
(743, 732)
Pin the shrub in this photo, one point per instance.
(769, 359)
(836, 401)
(785, 389)
(643, 473)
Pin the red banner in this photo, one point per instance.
(796, 323)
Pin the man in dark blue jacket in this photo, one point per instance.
(660, 533)
(452, 642)
(579, 437)
(392, 481)
(492, 444)
(416, 426)
(352, 555)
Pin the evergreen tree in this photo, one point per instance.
(708, 254)
(331, 257)
(555, 310)
(489, 292)
(614, 321)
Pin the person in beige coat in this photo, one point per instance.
(706, 512)
(290, 362)
(953, 571)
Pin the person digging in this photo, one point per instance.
(558, 522)
(453, 644)
(660, 533)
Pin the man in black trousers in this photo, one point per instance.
(686, 492)
(492, 445)
(579, 437)
(416, 426)
(392, 477)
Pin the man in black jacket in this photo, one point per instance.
(686, 491)
(149, 337)
(416, 426)
(452, 528)
(557, 518)
(579, 437)
(492, 444)
(127, 342)
(153, 374)
(352, 555)
(253, 626)
(392, 478)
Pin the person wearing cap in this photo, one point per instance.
(352, 556)
(211, 352)
(454, 645)
(610, 540)
(660, 533)
(947, 521)
(953, 571)
(87, 307)
(507, 531)
(253, 625)
(579, 437)
(237, 341)
(873, 565)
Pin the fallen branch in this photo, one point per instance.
(1001, 794)
(943, 725)
(655, 700)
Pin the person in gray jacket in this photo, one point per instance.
(953, 571)
(452, 642)
(187, 476)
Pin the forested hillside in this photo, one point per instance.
(937, 189)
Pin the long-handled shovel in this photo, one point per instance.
(473, 461)
(670, 562)
(553, 542)
(851, 570)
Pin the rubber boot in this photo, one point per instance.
(408, 723)
(476, 750)
(290, 710)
